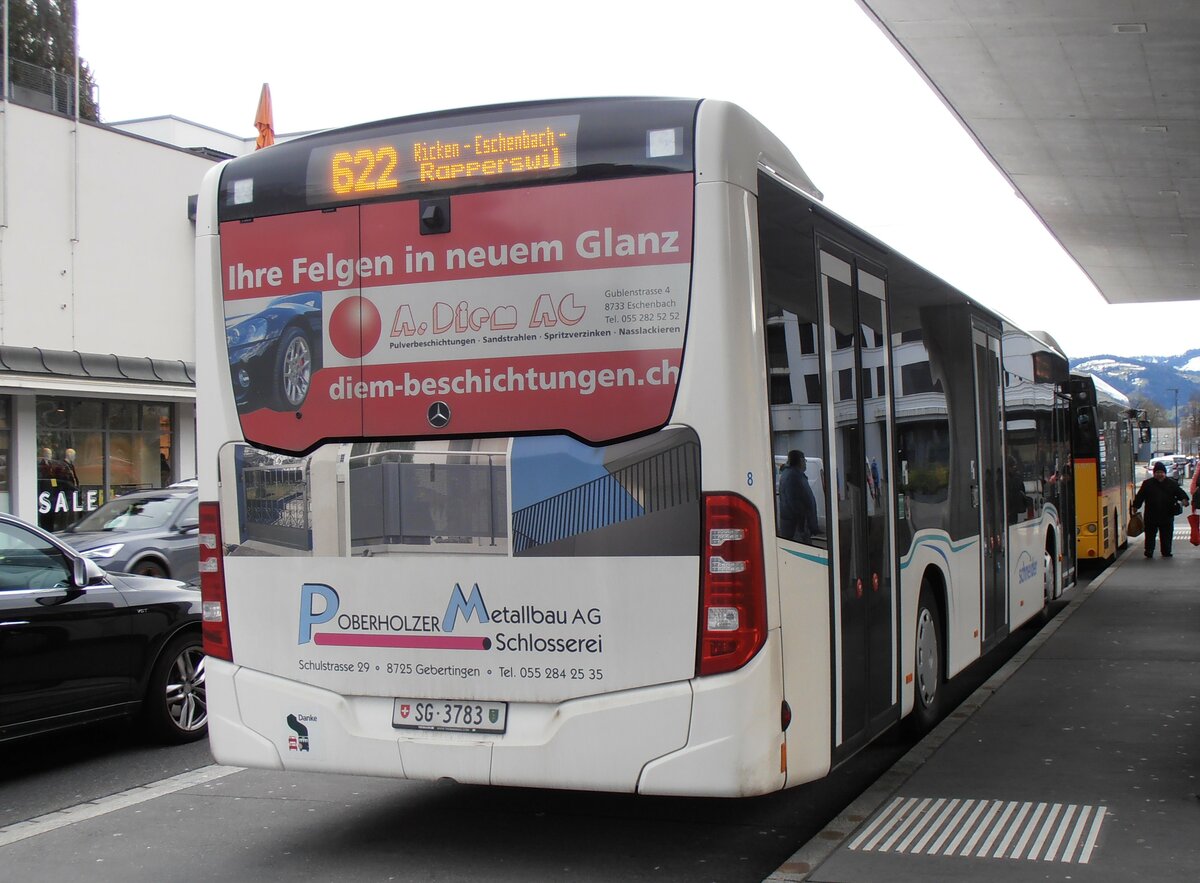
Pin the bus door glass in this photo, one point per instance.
(989, 481)
(853, 293)
(1062, 482)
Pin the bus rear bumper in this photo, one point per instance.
(595, 743)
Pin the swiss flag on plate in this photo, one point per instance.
(404, 710)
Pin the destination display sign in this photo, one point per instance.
(383, 165)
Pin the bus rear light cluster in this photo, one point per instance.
(215, 622)
(733, 611)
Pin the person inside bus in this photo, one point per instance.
(1164, 499)
(797, 505)
(1020, 506)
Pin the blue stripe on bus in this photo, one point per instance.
(934, 543)
(807, 557)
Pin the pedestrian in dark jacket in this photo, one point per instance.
(1164, 499)
(797, 505)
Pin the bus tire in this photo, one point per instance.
(1050, 579)
(928, 666)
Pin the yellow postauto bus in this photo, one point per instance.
(1105, 431)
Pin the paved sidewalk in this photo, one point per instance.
(1079, 760)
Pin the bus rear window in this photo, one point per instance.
(556, 308)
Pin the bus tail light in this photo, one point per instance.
(733, 594)
(215, 626)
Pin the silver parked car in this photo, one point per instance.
(152, 533)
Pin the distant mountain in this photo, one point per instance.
(1151, 376)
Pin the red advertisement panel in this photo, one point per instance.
(547, 308)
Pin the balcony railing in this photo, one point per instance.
(42, 89)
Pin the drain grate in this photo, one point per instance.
(994, 829)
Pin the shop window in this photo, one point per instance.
(90, 450)
(5, 442)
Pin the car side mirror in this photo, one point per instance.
(86, 572)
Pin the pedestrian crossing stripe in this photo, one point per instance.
(989, 829)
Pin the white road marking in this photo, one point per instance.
(93, 808)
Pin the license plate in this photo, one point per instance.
(455, 715)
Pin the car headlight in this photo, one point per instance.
(245, 333)
(102, 552)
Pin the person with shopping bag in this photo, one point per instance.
(1164, 499)
(1194, 523)
(1193, 518)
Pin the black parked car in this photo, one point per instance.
(79, 645)
(274, 352)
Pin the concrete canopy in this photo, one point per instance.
(1091, 108)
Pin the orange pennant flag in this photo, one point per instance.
(264, 120)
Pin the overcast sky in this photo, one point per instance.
(819, 73)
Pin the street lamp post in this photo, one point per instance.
(1176, 413)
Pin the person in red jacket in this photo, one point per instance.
(1164, 499)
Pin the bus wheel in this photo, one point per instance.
(928, 676)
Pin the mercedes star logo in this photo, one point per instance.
(438, 414)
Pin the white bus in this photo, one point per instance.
(490, 402)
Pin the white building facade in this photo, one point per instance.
(97, 350)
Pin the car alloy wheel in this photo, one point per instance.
(297, 369)
(178, 699)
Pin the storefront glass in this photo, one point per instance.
(5, 442)
(90, 450)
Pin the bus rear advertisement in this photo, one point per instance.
(531, 309)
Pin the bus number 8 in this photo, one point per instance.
(365, 170)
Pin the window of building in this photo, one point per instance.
(808, 339)
(781, 389)
(90, 450)
(917, 378)
(777, 356)
(5, 446)
(846, 383)
(812, 388)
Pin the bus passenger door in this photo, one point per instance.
(988, 484)
(1062, 482)
(865, 614)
